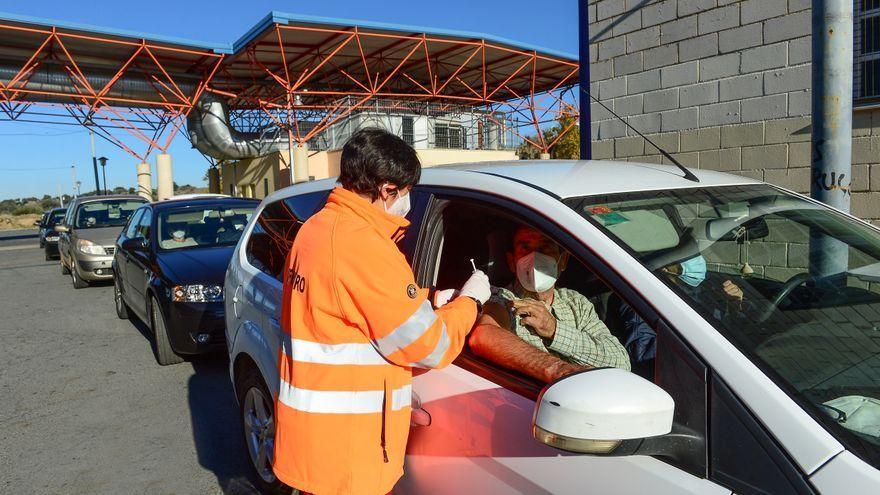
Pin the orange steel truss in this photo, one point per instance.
(302, 77)
(76, 78)
(323, 81)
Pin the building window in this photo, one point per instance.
(407, 131)
(866, 73)
(448, 136)
(265, 186)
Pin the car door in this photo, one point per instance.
(120, 257)
(139, 262)
(256, 296)
(472, 420)
(64, 237)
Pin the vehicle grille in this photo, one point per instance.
(110, 250)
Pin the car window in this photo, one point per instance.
(131, 228)
(276, 227)
(522, 260)
(105, 213)
(143, 224)
(201, 226)
(794, 285)
(55, 217)
(487, 233)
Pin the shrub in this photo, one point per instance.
(28, 209)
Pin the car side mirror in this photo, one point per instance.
(62, 229)
(135, 244)
(599, 410)
(38, 223)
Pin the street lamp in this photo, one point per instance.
(103, 161)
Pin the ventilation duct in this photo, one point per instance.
(208, 123)
(53, 79)
(210, 132)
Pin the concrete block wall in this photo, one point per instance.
(720, 84)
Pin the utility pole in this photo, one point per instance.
(584, 76)
(103, 161)
(95, 164)
(832, 71)
(73, 176)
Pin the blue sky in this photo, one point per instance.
(36, 159)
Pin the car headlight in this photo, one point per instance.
(89, 247)
(197, 293)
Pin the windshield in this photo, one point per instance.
(105, 213)
(794, 285)
(202, 226)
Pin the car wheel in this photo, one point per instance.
(78, 282)
(64, 269)
(121, 307)
(164, 354)
(46, 253)
(257, 413)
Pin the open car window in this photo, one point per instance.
(793, 284)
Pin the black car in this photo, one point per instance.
(169, 267)
(48, 236)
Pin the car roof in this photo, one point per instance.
(571, 178)
(89, 199)
(216, 200)
(561, 178)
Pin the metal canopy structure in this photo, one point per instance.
(300, 74)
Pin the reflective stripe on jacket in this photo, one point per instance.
(356, 324)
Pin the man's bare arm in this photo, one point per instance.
(490, 341)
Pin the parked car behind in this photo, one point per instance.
(778, 392)
(169, 267)
(48, 236)
(86, 242)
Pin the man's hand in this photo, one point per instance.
(535, 315)
(733, 291)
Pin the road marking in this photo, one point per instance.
(16, 248)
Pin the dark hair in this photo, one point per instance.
(372, 157)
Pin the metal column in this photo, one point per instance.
(584, 75)
(832, 125)
(95, 164)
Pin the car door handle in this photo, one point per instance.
(235, 300)
(418, 416)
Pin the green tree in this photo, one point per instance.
(568, 146)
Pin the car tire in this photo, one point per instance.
(78, 282)
(46, 253)
(259, 432)
(121, 307)
(64, 269)
(165, 356)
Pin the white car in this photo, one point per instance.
(765, 377)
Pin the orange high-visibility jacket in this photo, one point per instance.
(357, 323)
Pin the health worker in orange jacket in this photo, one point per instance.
(358, 324)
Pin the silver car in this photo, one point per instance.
(88, 236)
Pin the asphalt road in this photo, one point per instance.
(86, 409)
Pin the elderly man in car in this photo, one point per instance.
(538, 329)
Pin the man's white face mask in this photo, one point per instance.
(537, 272)
(399, 207)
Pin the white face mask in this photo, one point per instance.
(400, 207)
(537, 272)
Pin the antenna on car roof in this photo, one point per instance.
(687, 173)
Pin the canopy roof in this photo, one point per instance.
(329, 67)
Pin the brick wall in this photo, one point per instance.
(720, 84)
